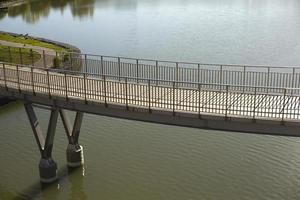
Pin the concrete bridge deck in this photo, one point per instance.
(267, 110)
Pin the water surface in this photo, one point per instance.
(135, 160)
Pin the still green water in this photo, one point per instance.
(140, 161)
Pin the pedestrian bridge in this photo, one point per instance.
(235, 98)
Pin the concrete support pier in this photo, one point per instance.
(47, 166)
(74, 150)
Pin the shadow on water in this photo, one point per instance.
(69, 179)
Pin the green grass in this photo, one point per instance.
(29, 41)
(14, 55)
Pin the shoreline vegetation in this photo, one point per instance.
(29, 55)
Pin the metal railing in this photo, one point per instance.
(173, 96)
(162, 71)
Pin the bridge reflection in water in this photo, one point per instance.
(237, 98)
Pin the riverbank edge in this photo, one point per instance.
(10, 3)
(69, 47)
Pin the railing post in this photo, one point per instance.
(226, 103)
(66, 86)
(156, 72)
(244, 78)
(254, 103)
(31, 55)
(174, 96)
(4, 74)
(21, 57)
(137, 70)
(119, 69)
(18, 79)
(221, 74)
(268, 78)
(149, 96)
(48, 82)
(198, 72)
(85, 63)
(283, 107)
(102, 67)
(199, 100)
(177, 73)
(9, 54)
(44, 59)
(105, 98)
(126, 92)
(71, 62)
(293, 81)
(32, 81)
(85, 88)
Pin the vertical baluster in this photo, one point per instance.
(174, 83)
(18, 79)
(149, 96)
(31, 55)
(44, 59)
(284, 104)
(5, 79)
(21, 57)
(48, 83)
(226, 103)
(119, 69)
(66, 86)
(85, 63)
(32, 81)
(85, 88)
(137, 70)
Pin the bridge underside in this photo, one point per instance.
(188, 119)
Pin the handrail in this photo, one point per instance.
(144, 79)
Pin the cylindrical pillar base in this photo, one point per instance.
(74, 155)
(48, 170)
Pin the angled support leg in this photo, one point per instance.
(47, 166)
(74, 150)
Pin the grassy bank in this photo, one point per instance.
(29, 41)
(13, 56)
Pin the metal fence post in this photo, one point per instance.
(71, 62)
(199, 100)
(198, 72)
(4, 74)
(137, 70)
(31, 55)
(85, 88)
(66, 86)
(226, 105)
(177, 73)
(254, 102)
(156, 72)
(102, 67)
(18, 79)
(293, 81)
(283, 107)
(48, 82)
(21, 57)
(85, 63)
(268, 78)
(44, 59)
(221, 74)
(105, 98)
(32, 81)
(126, 93)
(119, 69)
(244, 78)
(149, 95)
(174, 96)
